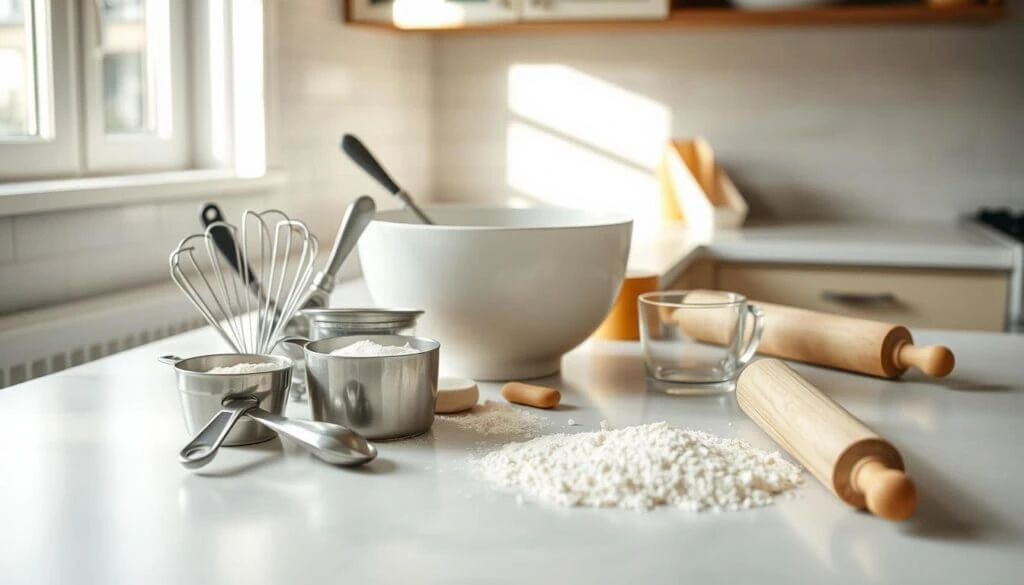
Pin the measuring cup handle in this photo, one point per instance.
(203, 448)
(755, 335)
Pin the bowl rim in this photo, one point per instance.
(601, 218)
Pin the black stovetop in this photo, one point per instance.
(1004, 220)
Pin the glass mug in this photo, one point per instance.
(698, 336)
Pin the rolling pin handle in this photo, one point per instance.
(935, 360)
(888, 492)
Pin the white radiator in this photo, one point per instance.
(36, 343)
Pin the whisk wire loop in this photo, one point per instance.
(278, 251)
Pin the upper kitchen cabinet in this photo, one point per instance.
(555, 15)
(429, 14)
(594, 9)
(455, 14)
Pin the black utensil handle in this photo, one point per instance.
(225, 241)
(362, 157)
(210, 213)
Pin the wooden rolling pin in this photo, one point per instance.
(835, 341)
(858, 465)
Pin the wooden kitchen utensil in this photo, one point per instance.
(695, 190)
(835, 341)
(859, 466)
(700, 159)
(531, 395)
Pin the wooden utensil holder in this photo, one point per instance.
(695, 190)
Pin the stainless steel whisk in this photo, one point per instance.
(248, 308)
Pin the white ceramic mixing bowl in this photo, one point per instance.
(505, 291)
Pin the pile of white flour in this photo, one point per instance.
(496, 418)
(245, 368)
(369, 348)
(642, 467)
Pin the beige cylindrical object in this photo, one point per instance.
(530, 395)
(847, 343)
(623, 321)
(455, 395)
(855, 463)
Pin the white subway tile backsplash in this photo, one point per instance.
(92, 229)
(116, 269)
(6, 240)
(179, 218)
(316, 9)
(138, 223)
(858, 123)
(328, 39)
(32, 284)
(40, 235)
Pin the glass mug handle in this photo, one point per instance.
(755, 335)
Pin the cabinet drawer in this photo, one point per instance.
(946, 299)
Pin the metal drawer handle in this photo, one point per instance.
(847, 298)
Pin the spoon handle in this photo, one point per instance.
(357, 216)
(302, 431)
(360, 155)
(203, 448)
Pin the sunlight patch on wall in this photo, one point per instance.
(552, 170)
(602, 115)
(578, 141)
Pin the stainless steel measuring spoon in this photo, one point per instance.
(203, 448)
(328, 442)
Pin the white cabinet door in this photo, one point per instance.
(434, 13)
(594, 9)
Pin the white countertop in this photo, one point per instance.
(91, 492)
(668, 249)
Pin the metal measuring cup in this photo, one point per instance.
(202, 393)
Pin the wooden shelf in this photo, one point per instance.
(728, 17)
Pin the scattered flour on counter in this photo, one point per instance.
(642, 467)
(368, 348)
(496, 418)
(245, 368)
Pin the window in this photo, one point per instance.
(18, 113)
(105, 87)
(31, 107)
(135, 86)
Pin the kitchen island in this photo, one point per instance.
(91, 492)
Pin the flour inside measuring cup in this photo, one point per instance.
(245, 368)
(368, 348)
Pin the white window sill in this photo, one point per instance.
(64, 194)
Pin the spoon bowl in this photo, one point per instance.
(328, 442)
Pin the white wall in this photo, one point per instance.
(50, 258)
(891, 122)
(333, 79)
(324, 79)
(913, 122)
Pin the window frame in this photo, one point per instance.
(56, 149)
(167, 149)
(229, 104)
